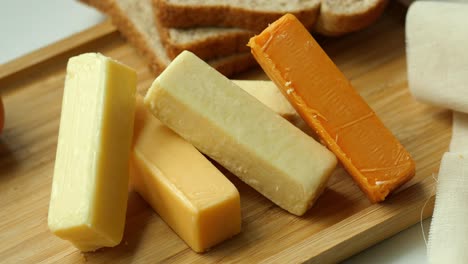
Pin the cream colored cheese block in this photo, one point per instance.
(196, 200)
(268, 94)
(437, 41)
(90, 183)
(246, 137)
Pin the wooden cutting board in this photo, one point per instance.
(342, 222)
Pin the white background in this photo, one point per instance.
(26, 25)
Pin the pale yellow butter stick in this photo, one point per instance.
(90, 183)
(189, 193)
(246, 137)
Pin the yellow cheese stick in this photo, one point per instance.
(235, 129)
(183, 187)
(90, 184)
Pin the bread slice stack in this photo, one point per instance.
(218, 30)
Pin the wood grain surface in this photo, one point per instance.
(342, 223)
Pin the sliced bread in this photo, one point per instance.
(327, 17)
(254, 15)
(135, 20)
(340, 17)
(206, 42)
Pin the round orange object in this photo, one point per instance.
(2, 115)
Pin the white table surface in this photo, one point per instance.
(26, 25)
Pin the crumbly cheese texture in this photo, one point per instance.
(89, 190)
(267, 93)
(186, 190)
(246, 137)
(436, 53)
(329, 104)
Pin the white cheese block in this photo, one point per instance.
(437, 41)
(246, 137)
(268, 94)
(90, 184)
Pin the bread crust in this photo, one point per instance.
(333, 24)
(129, 31)
(228, 66)
(209, 48)
(180, 16)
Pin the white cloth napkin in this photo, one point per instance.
(437, 57)
(448, 236)
(437, 42)
(459, 143)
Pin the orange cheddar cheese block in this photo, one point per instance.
(329, 104)
(187, 191)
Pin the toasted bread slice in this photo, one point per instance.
(341, 17)
(135, 20)
(254, 15)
